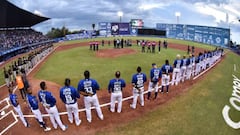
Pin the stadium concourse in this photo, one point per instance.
(111, 119)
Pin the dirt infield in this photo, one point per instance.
(111, 120)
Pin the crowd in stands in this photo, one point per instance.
(19, 37)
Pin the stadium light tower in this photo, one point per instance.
(177, 14)
(120, 14)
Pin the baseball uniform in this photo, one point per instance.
(90, 86)
(49, 102)
(166, 70)
(176, 71)
(115, 87)
(155, 75)
(69, 96)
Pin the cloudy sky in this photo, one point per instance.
(80, 14)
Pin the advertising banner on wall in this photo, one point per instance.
(203, 34)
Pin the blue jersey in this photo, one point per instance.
(116, 85)
(46, 97)
(13, 99)
(88, 85)
(166, 69)
(139, 79)
(184, 62)
(189, 61)
(69, 95)
(155, 74)
(177, 63)
(201, 57)
(32, 101)
(197, 59)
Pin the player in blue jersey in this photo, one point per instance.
(88, 87)
(198, 64)
(166, 70)
(33, 104)
(14, 101)
(69, 96)
(138, 81)
(49, 103)
(115, 87)
(184, 68)
(155, 75)
(189, 67)
(176, 70)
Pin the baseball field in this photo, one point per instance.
(193, 107)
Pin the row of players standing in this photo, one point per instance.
(117, 43)
(24, 64)
(151, 45)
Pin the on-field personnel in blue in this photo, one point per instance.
(33, 104)
(115, 87)
(184, 68)
(138, 81)
(176, 70)
(166, 70)
(88, 88)
(155, 75)
(14, 101)
(69, 96)
(49, 103)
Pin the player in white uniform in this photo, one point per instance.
(166, 70)
(33, 104)
(189, 67)
(49, 103)
(69, 96)
(88, 87)
(155, 75)
(176, 70)
(138, 81)
(115, 87)
(14, 101)
(184, 68)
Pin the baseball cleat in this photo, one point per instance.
(47, 129)
(65, 127)
(78, 123)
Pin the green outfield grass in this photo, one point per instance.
(197, 112)
(72, 63)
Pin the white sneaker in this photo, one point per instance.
(65, 127)
(89, 121)
(132, 106)
(78, 122)
(101, 117)
(47, 129)
(71, 121)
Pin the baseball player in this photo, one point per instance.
(166, 70)
(49, 103)
(198, 64)
(189, 67)
(149, 46)
(14, 101)
(184, 68)
(193, 60)
(33, 104)
(138, 81)
(155, 75)
(69, 96)
(115, 87)
(176, 70)
(88, 88)
(143, 45)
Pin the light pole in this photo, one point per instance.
(177, 14)
(120, 14)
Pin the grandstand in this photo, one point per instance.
(16, 34)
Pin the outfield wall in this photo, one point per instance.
(203, 34)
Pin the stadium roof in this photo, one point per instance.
(12, 16)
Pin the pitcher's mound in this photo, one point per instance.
(113, 53)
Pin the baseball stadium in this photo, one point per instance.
(120, 76)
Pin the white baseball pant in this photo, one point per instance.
(88, 101)
(19, 112)
(183, 73)
(73, 108)
(116, 96)
(176, 76)
(54, 117)
(137, 93)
